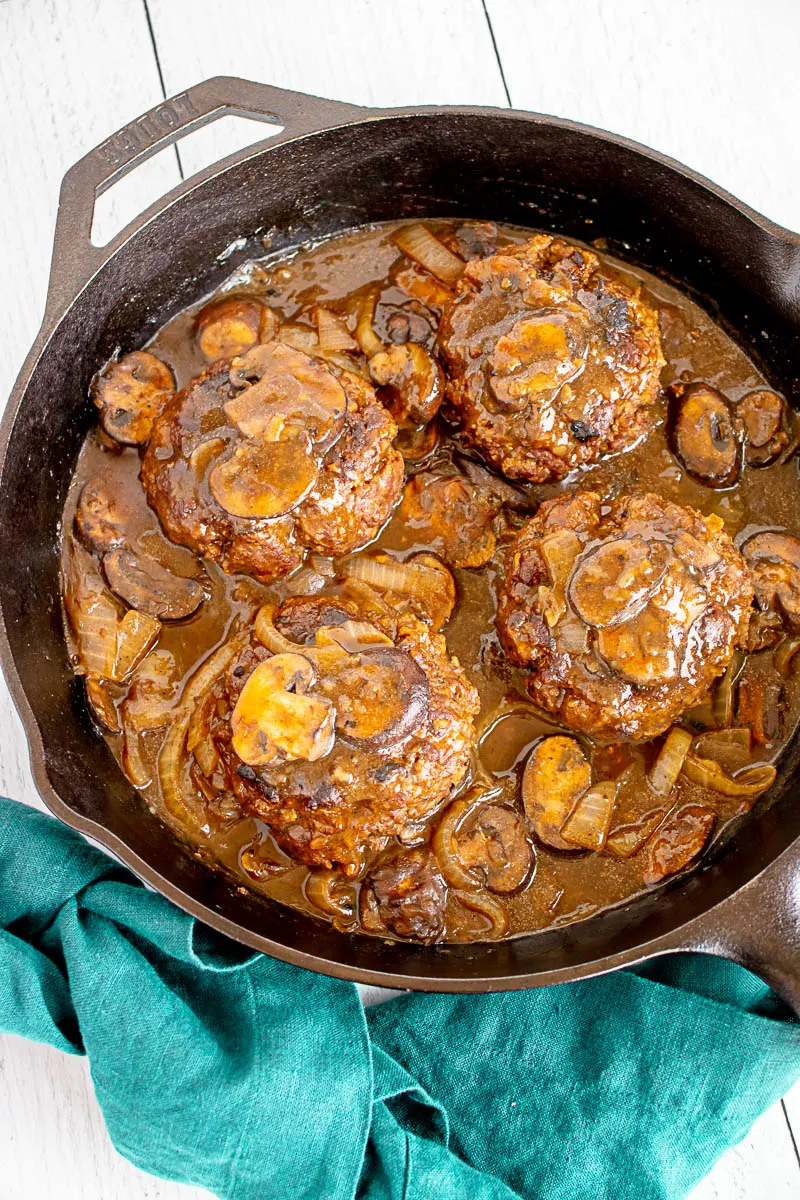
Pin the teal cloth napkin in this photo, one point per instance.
(256, 1079)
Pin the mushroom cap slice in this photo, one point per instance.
(225, 328)
(143, 583)
(540, 352)
(130, 393)
(774, 561)
(382, 695)
(275, 720)
(263, 479)
(613, 582)
(102, 517)
(499, 847)
(557, 774)
(643, 650)
(411, 382)
(299, 617)
(705, 434)
(763, 415)
(286, 389)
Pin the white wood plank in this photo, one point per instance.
(715, 85)
(423, 52)
(763, 1166)
(53, 1142)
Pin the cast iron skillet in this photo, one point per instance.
(334, 166)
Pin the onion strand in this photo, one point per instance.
(419, 243)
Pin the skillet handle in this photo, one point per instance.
(74, 257)
(758, 927)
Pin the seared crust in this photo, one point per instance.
(680, 632)
(353, 800)
(551, 363)
(359, 482)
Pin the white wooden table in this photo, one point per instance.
(714, 83)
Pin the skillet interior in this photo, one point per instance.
(485, 164)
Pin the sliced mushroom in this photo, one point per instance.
(498, 848)
(774, 562)
(130, 393)
(705, 434)
(643, 650)
(411, 382)
(264, 479)
(144, 584)
(541, 352)
(614, 582)
(299, 617)
(381, 694)
(151, 695)
(763, 415)
(229, 327)
(275, 720)
(287, 390)
(452, 516)
(556, 776)
(102, 518)
(406, 895)
(679, 840)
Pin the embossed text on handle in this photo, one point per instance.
(146, 130)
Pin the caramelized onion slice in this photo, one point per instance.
(130, 393)
(264, 479)
(137, 634)
(445, 837)
(334, 336)
(626, 840)
(747, 784)
(419, 243)
(147, 586)
(665, 771)
(285, 390)
(588, 824)
(705, 434)
(488, 907)
(614, 582)
(366, 337)
(426, 582)
(331, 893)
(678, 841)
(92, 612)
(232, 326)
(556, 776)
(275, 720)
(101, 704)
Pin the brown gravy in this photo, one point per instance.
(564, 887)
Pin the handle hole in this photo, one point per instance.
(195, 151)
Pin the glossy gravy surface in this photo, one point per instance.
(565, 886)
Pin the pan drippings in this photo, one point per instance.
(441, 581)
